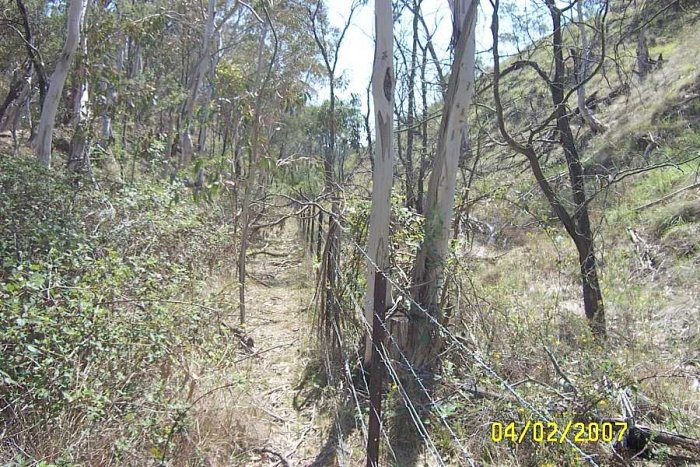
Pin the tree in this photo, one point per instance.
(329, 43)
(582, 60)
(429, 267)
(200, 68)
(576, 221)
(81, 107)
(42, 144)
(383, 97)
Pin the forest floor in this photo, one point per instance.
(279, 292)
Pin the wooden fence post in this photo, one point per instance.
(377, 370)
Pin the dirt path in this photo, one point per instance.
(279, 291)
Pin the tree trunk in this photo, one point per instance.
(251, 176)
(15, 97)
(42, 145)
(643, 65)
(592, 297)
(424, 135)
(81, 109)
(33, 53)
(380, 214)
(200, 68)
(581, 61)
(410, 118)
(428, 271)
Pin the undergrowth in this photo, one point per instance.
(97, 324)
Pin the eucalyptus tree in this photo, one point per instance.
(81, 106)
(429, 267)
(383, 82)
(328, 41)
(195, 79)
(44, 137)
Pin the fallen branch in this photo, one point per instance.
(259, 352)
(283, 460)
(667, 197)
(259, 281)
(267, 253)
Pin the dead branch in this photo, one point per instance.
(283, 460)
(667, 197)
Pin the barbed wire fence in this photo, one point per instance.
(350, 373)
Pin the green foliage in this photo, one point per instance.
(93, 300)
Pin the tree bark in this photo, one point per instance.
(42, 144)
(382, 176)
(33, 53)
(200, 68)
(81, 109)
(428, 271)
(410, 118)
(592, 296)
(420, 182)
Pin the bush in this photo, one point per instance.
(93, 306)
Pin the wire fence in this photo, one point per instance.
(398, 365)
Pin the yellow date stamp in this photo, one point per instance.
(554, 432)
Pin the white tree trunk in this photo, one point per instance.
(186, 146)
(42, 144)
(107, 132)
(81, 109)
(382, 175)
(430, 262)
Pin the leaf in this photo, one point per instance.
(156, 452)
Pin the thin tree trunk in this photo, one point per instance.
(186, 146)
(592, 297)
(643, 65)
(410, 118)
(81, 109)
(42, 145)
(424, 135)
(33, 53)
(12, 104)
(250, 181)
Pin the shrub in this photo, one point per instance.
(94, 315)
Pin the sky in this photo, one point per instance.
(357, 50)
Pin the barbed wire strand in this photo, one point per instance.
(477, 358)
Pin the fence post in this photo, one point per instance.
(319, 238)
(377, 370)
(310, 234)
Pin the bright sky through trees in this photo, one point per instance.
(357, 50)
(358, 47)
